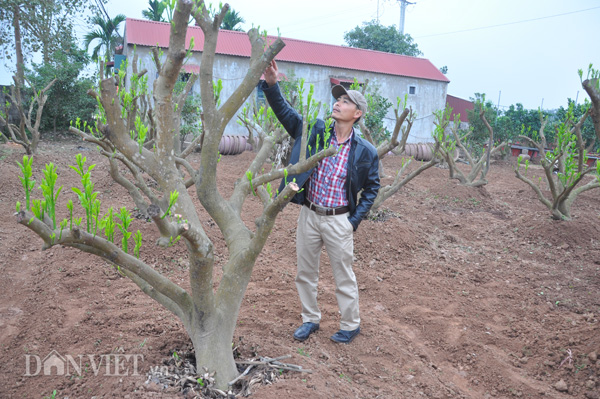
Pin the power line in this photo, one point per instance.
(507, 23)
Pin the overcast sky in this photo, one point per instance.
(525, 51)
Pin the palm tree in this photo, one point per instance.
(232, 18)
(155, 11)
(107, 33)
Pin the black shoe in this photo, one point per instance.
(304, 331)
(345, 337)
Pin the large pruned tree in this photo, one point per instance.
(208, 314)
(393, 144)
(565, 165)
(27, 134)
(449, 142)
(591, 85)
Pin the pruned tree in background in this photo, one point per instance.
(448, 144)
(261, 124)
(209, 314)
(27, 133)
(568, 159)
(386, 146)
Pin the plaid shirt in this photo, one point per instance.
(329, 177)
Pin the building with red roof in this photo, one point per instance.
(322, 65)
(460, 107)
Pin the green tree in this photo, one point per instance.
(207, 311)
(374, 36)
(587, 129)
(512, 121)
(480, 132)
(106, 35)
(67, 98)
(36, 25)
(231, 20)
(155, 11)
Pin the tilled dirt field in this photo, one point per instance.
(465, 293)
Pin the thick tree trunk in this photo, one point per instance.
(35, 141)
(591, 87)
(212, 337)
(18, 46)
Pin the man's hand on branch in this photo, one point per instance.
(271, 74)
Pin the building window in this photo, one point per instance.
(412, 89)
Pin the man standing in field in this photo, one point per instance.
(330, 212)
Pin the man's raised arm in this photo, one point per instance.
(288, 116)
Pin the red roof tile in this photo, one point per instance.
(150, 33)
(459, 106)
(192, 68)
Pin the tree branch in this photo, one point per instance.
(108, 251)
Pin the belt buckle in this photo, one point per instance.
(320, 210)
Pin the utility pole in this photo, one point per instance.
(403, 4)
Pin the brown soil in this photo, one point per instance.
(465, 293)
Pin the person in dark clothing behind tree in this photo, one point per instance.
(330, 213)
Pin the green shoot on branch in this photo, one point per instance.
(96, 215)
(63, 225)
(48, 186)
(26, 181)
(125, 219)
(172, 199)
(269, 189)
(173, 241)
(70, 208)
(217, 87)
(87, 195)
(108, 224)
(138, 243)
(142, 131)
(38, 207)
(249, 176)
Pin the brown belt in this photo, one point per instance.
(321, 211)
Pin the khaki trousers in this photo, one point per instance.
(336, 232)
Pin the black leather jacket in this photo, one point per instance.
(363, 163)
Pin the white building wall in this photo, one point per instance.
(429, 95)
